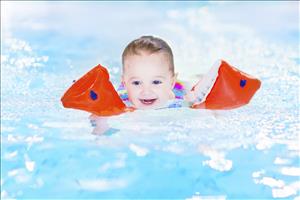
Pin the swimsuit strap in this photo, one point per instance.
(179, 90)
(122, 92)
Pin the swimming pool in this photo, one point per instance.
(48, 151)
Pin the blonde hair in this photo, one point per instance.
(149, 44)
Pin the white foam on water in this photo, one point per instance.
(258, 174)
(281, 161)
(217, 159)
(117, 164)
(284, 192)
(138, 150)
(33, 126)
(219, 164)
(30, 165)
(197, 196)
(10, 155)
(290, 171)
(271, 182)
(101, 185)
(72, 125)
(7, 128)
(297, 198)
(174, 148)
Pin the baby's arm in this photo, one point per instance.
(100, 124)
(191, 94)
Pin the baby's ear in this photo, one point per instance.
(123, 80)
(174, 80)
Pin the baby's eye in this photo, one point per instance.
(156, 82)
(136, 82)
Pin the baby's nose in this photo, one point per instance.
(146, 90)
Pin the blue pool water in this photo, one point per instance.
(49, 151)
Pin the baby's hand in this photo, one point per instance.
(100, 124)
(92, 118)
(190, 97)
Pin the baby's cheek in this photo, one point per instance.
(167, 94)
(133, 95)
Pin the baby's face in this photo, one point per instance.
(148, 80)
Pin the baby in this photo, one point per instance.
(148, 77)
(148, 73)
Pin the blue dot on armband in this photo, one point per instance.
(93, 95)
(243, 83)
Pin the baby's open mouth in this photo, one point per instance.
(148, 101)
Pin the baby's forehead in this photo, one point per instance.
(146, 57)
(145, 54)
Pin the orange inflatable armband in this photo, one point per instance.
(225, 87)
(94, 93)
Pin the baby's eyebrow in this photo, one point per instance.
(134, 77)
(162, 77)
